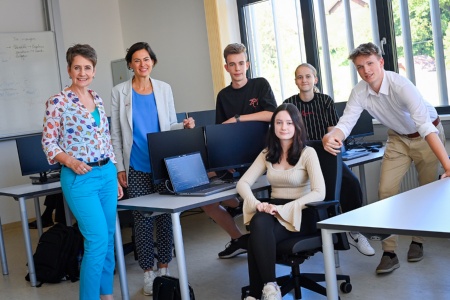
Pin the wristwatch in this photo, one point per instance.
(237, 118)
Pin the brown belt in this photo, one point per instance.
(416, 134)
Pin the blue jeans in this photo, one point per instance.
(92, 198)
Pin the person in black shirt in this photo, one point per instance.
(252, 99)
(320, 116)
(243, 100)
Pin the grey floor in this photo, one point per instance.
(213, 278)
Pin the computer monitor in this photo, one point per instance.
(204, 117)
(364, 125)
(235, 145)
(172, 143)
(32, 158)
(181, 116)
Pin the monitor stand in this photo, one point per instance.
(43, 178)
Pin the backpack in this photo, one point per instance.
(57, 254)
(168, 288)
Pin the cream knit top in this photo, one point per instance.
(303, 183)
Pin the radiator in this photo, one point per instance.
(410, 180)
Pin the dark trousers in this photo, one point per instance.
(55, 203)
(351, 193)
(265, 233)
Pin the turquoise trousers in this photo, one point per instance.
(92, 198)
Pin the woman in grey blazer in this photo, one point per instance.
(139, 106)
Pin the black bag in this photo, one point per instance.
(57, 254)
(168, 288)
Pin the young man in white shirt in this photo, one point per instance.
(415, 135)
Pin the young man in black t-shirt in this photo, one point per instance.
(243, 100)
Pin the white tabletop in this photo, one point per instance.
(172, 203)
(31, 190)
(422, 211)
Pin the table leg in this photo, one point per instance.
(26, 235)
(181, 260)
(330, 270)
(3, 251)
(362, 181)
(37, 208)
(120, 258)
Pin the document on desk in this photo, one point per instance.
(354, 153)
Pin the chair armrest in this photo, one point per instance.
(324, 209)
(322, 204)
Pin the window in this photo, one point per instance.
(414, 37)
(270, 27)
(279, 38)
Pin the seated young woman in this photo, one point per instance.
(293, 170)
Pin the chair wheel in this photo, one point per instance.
(346, 287)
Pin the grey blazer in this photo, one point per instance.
(122, 118)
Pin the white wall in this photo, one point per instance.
(110, 26)
(93, 22)
(98, 24)
(10, 12)
(176, 31)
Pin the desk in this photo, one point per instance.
(21, 193)
(382, 217)
(175, 205)
(360, 162)
(27, 191)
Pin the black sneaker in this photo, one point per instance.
(235, 211)
(232, 249)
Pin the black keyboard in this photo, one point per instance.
(371, 144)
(219, 187)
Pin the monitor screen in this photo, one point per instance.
(364, 126)
(204, 117)
(31, 156)
(172, 143)
(234, 145)
(181, 116)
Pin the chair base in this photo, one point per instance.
(308, 281)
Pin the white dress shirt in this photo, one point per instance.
(398, 105)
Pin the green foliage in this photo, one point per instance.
(421, 27)
(446, 42)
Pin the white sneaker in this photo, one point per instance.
(250, 298)
(271, 291)
(149, 277)
(163, 272)
(361, 243)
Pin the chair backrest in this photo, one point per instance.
(331, 166)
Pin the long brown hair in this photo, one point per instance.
(274, 149)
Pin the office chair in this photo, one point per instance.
(294, 251)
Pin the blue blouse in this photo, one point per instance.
(145, 120)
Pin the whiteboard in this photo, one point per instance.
(29, 75)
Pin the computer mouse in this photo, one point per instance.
(374, 150)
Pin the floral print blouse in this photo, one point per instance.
(69, 127)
